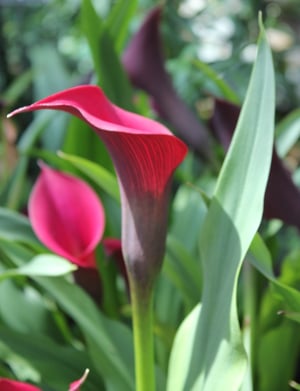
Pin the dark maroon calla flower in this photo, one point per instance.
(143, 60)
(66, 215)
(145, 155)
(282, 198)
(13, 385)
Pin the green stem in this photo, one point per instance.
(142, 318)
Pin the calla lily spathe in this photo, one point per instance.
(145, 155)
(66, 215)
(14, 385)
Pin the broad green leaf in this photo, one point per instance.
(182, 269)
(110, 74)
(16, 227)
(284, 339)
(23, 309)
(216, 358)
(96, 173)
(260, 258)
(92, 28)
(17, 364)
(188, 212)
(48, 265)
(185, 336)
(50, 76)
(90, 145)
(58, 365)
(114, 80)
(118, 21)
(109, 342)
(288, 132)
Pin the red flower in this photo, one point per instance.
(13, 385)
(66, 215)
(76, 384)
(145, 155)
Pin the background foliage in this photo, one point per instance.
(49, 326)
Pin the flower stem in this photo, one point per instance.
(142, 318)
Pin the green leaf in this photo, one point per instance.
(277, 333)
(110, 74)
(41, 265)
(113, 78)
(102, 177)
(18, 87)
(216, 358)
(92, 28)
(109, 342)
(188, 210)
(12, 193)
(260, 258)
(90, 145)
(16, 227)
(57, 365)
(184, 342)
(225, 91)
(183, 271)
(118, 21)
(288, 132)
(23, 309)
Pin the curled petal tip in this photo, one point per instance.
(76, 384)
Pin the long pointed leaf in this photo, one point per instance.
(216, 357)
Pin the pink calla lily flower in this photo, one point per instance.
(14, 385)
(145, 154)
(66, 215)
(144, 63)
(75, 386)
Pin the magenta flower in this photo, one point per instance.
(145, 155)
(75, 386)
(66, 215)
(13, 385)
(143, 60)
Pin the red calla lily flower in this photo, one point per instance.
(76, 384)
(66, 215)
(143, 60)
(13, 385)
(282, 195)
(145, 155)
